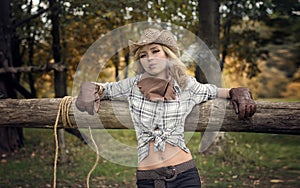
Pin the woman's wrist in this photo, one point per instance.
(223, 93)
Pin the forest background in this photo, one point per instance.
(259, 47)
(259, 40)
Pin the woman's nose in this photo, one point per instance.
(150, 57)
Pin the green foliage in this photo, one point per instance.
(82, 22)
(262, 42)
(239, 37)
(182, 13)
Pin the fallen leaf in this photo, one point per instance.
(276, 181)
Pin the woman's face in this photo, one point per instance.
(154, 60)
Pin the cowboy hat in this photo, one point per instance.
(150, 36)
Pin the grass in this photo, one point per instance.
(246, 160)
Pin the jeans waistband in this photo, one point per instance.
(165, 174)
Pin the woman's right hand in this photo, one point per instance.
(89, 97)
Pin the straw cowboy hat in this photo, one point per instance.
(150, 36)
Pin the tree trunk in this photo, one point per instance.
(271, 117)
(209, 29)
(60, 86)
(208, 32)
(226, 36)
(11, 138)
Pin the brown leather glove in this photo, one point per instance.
(242, 102)
(89, 97)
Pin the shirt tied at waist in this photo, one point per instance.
(159, 138)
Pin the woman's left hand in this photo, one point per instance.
(242, 102)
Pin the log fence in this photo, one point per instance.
(271, 117)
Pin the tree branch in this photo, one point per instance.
(21, 22)
(51, 66)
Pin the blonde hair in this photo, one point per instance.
(176, 66)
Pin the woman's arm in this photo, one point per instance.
(117, 90)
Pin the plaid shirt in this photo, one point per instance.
(161, 121)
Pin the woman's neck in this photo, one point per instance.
(164, 76)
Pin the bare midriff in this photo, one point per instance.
(172, 155)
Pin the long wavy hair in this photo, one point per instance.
(176, 66)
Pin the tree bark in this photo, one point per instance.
(271, 117)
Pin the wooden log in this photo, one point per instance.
(271, 117)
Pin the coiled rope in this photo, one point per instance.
(63, 112)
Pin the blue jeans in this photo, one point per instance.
(187, 179)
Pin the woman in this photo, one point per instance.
(160, 97)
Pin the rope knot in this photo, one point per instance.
(64, 108)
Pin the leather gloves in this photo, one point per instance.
(89, 97)
(242, 102)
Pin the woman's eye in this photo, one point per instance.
(155, 51)
(142, 55)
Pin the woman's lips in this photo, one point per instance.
(151, 66)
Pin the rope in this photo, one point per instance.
(96, 162)
(66, 103)
(63, 111)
